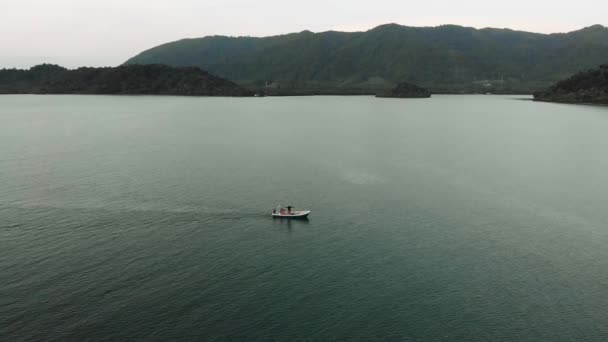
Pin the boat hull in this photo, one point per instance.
(294, 215)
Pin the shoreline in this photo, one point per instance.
(600, 104)
(281, 95)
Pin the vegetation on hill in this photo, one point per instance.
(406, 90)
(132, 79)
(444, 59)
(585, 87)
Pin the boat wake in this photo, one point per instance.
(204, 211)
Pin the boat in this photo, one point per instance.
(289, 213)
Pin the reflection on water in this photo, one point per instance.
(290, 224)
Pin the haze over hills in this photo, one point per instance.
(448, 58)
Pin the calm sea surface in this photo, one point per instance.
(477, 218)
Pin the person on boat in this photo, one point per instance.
(289, 210)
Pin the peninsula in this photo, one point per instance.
(153, 79)
(585, 87)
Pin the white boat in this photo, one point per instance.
(290, 213)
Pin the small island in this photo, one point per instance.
(590, 87)
(153, 79)
(406, 90)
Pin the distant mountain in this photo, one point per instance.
(585, 87)
(132, 79)
(439, 58)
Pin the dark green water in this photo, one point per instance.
(474, 218)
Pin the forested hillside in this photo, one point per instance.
(585, 87)
(439, 58)
(132, 79)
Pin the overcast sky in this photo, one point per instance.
(107, 32)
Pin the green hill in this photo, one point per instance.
(585, 87)
(131, 79)
(406, 90)
(444, 58)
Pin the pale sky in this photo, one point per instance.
(107, 32)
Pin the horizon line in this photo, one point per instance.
(394, 24)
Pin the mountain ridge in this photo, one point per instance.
(442, 57)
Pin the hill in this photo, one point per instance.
(132, 79)
(406, 90)
(443, 59)
(585, 87)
